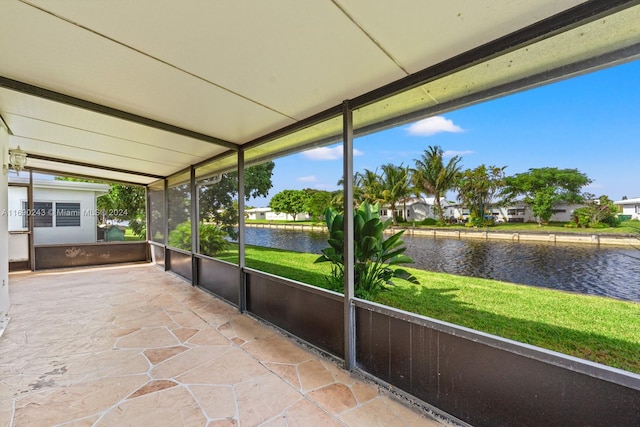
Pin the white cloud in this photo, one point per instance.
(309, 178)
(433, 125)
(326, 153)
(451, 153)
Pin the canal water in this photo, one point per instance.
(605, 271)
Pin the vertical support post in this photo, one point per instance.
(242, 282)
(147, 219)
(195, 229)
(31, 223)
(167, 257)
(347, 177)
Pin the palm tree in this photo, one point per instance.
(434, 177)
(369, 188)
(358, 194)
(396, 186)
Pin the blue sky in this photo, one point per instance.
(591, 123)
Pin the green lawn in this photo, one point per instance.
(130, 237)
(600, 329)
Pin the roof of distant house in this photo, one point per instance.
(634, 201)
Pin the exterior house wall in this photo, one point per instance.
(415, 210)
(522, 213)
(273, 216)
(85, 233)
(18, 242)
(630, 207)
(270, 215)
(257, 213)
(54, 192)
(16, 196)
(564, 213)
(4, 228)
(633, 210)
(418, 212)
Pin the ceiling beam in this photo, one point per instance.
(103, 109)
(93, 166)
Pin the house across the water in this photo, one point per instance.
(629, 207)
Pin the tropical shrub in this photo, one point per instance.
(600, 213)
(428, 221)
(213, 239)
(374, 255)
(477, 221)
(180, 237)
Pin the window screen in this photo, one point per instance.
(25, 217)
(42, 214)
(67, 214)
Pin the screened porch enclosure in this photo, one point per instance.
(96, 91)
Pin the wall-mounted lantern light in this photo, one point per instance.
(17, 159)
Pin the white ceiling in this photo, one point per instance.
(228, 70)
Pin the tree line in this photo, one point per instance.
(478, 190)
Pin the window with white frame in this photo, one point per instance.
(66, 214)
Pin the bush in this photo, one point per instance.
(374, 255)
(428, 221)
(597, 213)
(180, 237)
(474, 221)
(213, 239)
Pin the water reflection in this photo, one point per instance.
(608, 271)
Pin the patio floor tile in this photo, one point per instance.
(132, 345)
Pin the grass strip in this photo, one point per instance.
(603, 330)
(626, 227)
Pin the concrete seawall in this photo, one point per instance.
(481, 234)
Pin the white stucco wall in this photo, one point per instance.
(4, 228)
(632, 208)
(271, 216)
(85, 233)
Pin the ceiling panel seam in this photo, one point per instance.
(162, 61)
(379, 45)
(93, 166)
(109, 111)
(106, 180)
(137, 159)
(96, 133)
(3, 124)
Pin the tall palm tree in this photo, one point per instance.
(434, 177)
(369, 186)
(396, 186)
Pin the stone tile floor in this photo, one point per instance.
(134, 346)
